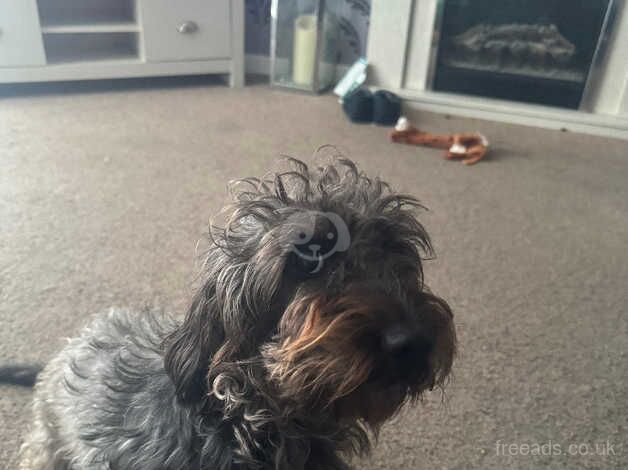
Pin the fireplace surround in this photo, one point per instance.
(550, 63)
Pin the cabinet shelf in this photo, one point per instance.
(90, 47)
(74, 12)
(90, 28)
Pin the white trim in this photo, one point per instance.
(517, 113)
(260, 65)
(111, 69)
(623, 105)
(141, 45)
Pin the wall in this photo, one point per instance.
(353, 17)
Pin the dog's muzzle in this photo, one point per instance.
(361, 341)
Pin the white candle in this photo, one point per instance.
(304, 53)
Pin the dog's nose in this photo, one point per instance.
(395, 338)
(314, 247)
(398, 338)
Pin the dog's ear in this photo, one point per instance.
(189, 349)
(229, 316)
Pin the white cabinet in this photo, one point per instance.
(20, 35)
(186, 30)
(90, 39)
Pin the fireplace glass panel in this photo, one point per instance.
(534, 51)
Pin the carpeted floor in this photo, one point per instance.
(105, 190)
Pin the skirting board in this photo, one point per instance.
(260, 65)
(517, 113)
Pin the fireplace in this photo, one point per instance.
(532, 51)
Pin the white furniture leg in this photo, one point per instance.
(236, 78)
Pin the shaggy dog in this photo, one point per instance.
(312, 328)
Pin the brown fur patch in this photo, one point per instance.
(328, 352)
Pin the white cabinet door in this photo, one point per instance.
(20, 35)
(185, 29)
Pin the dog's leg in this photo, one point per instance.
(41, 449)
(37, 451)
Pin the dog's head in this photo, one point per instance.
(317, 276)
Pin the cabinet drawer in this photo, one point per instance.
(20, 34)
(185, 29)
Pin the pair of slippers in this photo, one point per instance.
(381, 107)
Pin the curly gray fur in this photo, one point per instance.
(144, 391)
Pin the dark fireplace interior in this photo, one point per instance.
(534, 51)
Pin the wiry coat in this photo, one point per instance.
(276, 365)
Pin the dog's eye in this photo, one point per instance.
(330, 235)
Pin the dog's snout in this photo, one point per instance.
(395, 338)
(422, 345)
(398, 338)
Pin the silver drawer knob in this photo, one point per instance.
(187, 27)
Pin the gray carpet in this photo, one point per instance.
(105, 190)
